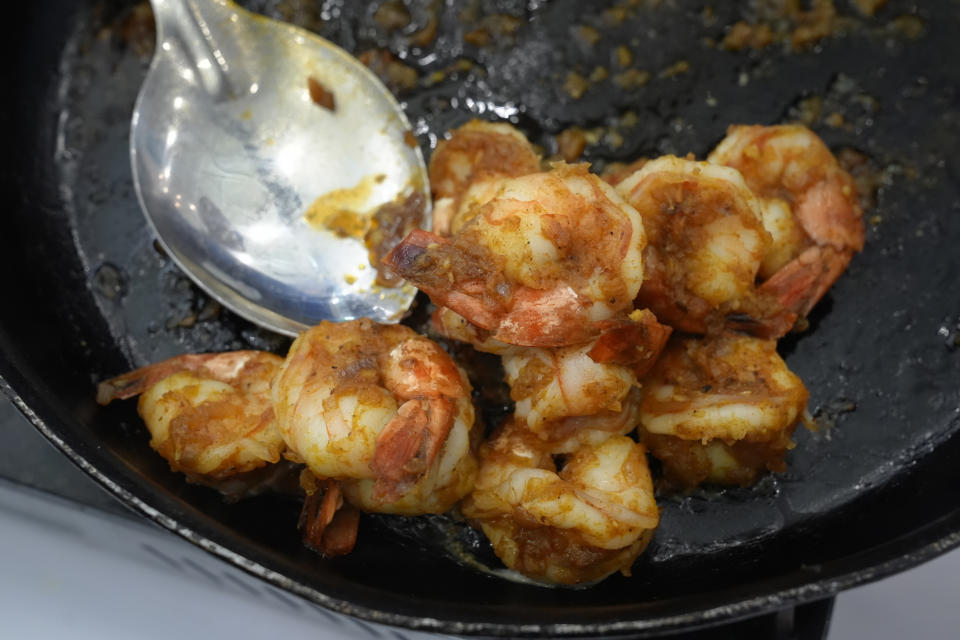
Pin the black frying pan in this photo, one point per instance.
(87, 295)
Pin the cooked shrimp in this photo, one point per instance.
(549, 385)
(720, 409)
(551, 260)
(209, 415)
(706, 242)
(616, 172)
(577, 524)
(476, 152)
(810, 209)
(561, 391)
(381, 409)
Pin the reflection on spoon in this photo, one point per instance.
(230, 144)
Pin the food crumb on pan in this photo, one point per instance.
(571, 143)
(138, 31)
(587, 34)
(428, 33)
(632, 79)
(909, 27)
(398, 76)
(392, 15)
(869, 7)
(575, 85)
(835, 120)
(743, 35)
(599, 74)
(678, 68)
(492, 29)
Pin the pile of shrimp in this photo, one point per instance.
(635, 316)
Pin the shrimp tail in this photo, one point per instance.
(636, 344)
(408, 445)
(830, 215)
(221, 366)
(425, 259)
(139, 380)
(800, 284)
(403, 257)
(121, 388)
(328, 525)
(544, 318)
(769, 326)
(524, 316)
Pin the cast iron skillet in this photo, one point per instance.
(87, 295)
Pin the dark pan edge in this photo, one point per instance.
(896, 555)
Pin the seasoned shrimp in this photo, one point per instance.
(209, 415)
(561, 391)
(720, 409)
(810, 209)
(381, 409)
(550, 385)
(553, 259)
(477, 152)
(573, 525)
(706, 242)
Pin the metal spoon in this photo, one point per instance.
(229, 152)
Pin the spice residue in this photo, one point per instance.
(390, 224)
(320, 94)
(344, 211)
(347, 213)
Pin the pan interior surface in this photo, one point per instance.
(870, 491)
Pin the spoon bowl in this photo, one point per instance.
(231, 147)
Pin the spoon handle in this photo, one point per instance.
(185, 26)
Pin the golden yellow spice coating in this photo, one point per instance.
(549, 260)
(383, 410)
(706, 242)
(574, 524)
(720, 409)
(209, 415)
(476, 152)
(551, 385)
(809, 206)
